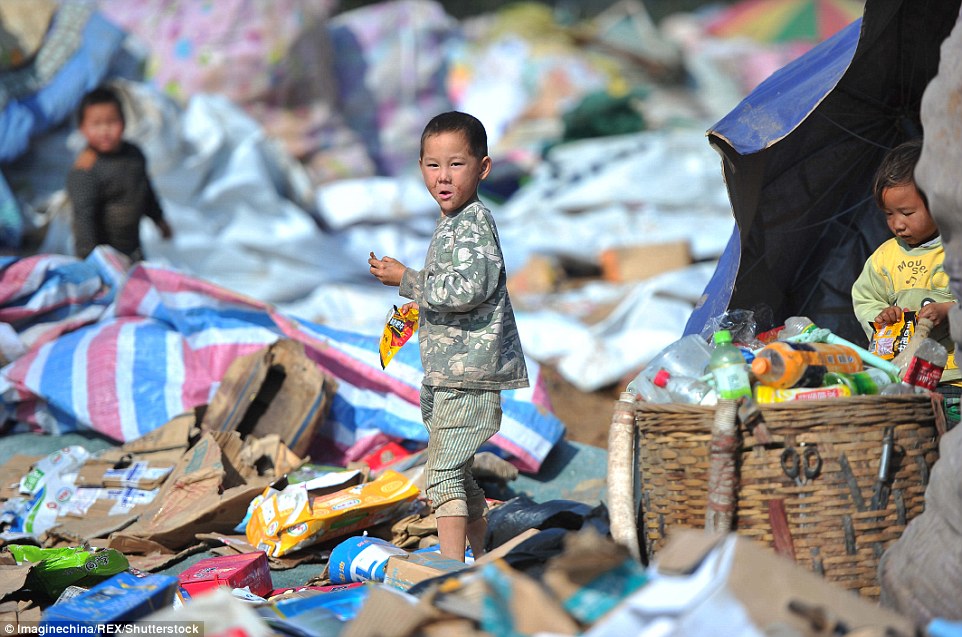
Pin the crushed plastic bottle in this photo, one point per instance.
(684, 389)
(925, 368)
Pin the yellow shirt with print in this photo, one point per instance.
(906, 277)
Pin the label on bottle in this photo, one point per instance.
(766, 394)
(731, 382)
(922, 373)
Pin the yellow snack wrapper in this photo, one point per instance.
(291, 519)
(889, 340)
(398, 329)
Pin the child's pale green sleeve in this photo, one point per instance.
(870, 295)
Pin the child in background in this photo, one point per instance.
(906, 272)
(470, 348)
(108, 185)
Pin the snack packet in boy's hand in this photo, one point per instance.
(399, 328)
(889, 340)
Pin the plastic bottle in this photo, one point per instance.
(683, 389)
(728, 368)
(796, 325)
(688, 356)
(925, 368)
(783, 365)
(801, 329)
(868, 381)
(644, 389)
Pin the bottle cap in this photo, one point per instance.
(761, 366)
(723, 336)
(661, 378)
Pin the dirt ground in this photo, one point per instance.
(586, 416)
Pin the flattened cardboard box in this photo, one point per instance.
(404, 571)
(764, 583)
(275, 390)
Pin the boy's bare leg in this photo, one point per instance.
(477, 531)
(452, 532)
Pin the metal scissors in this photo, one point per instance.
(801, 468)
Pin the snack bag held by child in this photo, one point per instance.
(889, 340)
(399, 328)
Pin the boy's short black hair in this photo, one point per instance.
(898, 169)
(100, 95)
(458, 122)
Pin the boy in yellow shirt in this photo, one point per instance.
(906, 272)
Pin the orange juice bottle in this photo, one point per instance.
(783, 365)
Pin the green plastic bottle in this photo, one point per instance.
(728, 368)
(866, 382)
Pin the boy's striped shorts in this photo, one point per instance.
(458, 421)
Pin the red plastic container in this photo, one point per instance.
(232, 571)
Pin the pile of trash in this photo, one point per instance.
(97, 542)
(795, 362)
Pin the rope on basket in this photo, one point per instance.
(721, 469)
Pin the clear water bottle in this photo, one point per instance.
(683, 389)
(688, 356)
(728, 368)
(795, 326)
(644, 389)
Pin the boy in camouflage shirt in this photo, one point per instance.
(470, 348)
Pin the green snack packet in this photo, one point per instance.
(56, 569)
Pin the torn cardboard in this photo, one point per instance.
(146, 555)
(143, 463)
(275, 390)
(592, 575)
(12, 471)
(764, 583)
(389, 612)
(98, 522)
(255, 457)
(501, 600)
(15, 612)
(404, 571)
(197, 497)
(13, 577)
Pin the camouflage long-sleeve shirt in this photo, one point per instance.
(467, 331)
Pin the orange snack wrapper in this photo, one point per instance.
(398, 329)
(889, 340)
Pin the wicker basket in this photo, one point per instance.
(827, 524)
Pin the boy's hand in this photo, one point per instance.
(935, 312)
(407, 307)
(386, 270)
(889, 316)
